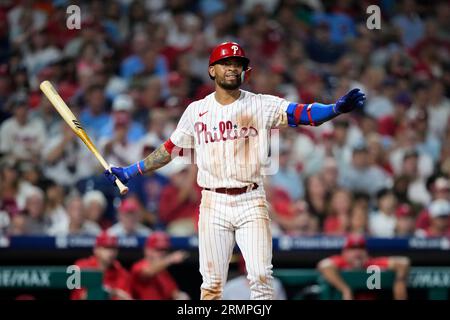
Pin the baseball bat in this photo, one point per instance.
(76, 127)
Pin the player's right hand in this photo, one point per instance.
(117, 173)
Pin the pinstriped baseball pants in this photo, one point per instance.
(229, 219)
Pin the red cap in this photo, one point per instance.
(158, 240)
(106, 241)
(227, 50)
(403, 210)
(129, 205)
(355, 242)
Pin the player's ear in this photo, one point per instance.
(212, 72)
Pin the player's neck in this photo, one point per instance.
(225, 97)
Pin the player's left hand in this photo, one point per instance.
(352, 100)
(117, 173)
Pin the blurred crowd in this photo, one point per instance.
(133, 67)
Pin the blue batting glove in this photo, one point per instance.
(124, 174)
(117, 173)
(352, 100)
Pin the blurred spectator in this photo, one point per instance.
(290, 217)
(316, 198)
(439, 212)
(238, 288)
(150, 279)
(67, 159)
(148, 187)
(382, 222)
(354, 256)
(116, 280)
(144, 59)
(36, 222)
(405, 225)
(94, 203)
(320, 48)
(94, 117)
(359, 219)
(381, 104)
(409, 23)
(417, 192)
(338, 218)
(360, 176)
(9, 186)
(55, 208)
(39, 55)
(287, 177)
(20, 136)
(123, 107)
(439, 189)
(119, 136)
(180, 199)
(23, 20)
(78, 224)
(129, 220)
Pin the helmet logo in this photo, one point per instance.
(234, 48)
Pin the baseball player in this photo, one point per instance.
(228, 129)
(356, 257)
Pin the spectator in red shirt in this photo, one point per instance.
(150, 279)
(439, 188)
(355, 257)
(116, 280)
(439, 212)
(180, 200)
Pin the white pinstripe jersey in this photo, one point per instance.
(229, 139)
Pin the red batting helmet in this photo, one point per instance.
(228, 50)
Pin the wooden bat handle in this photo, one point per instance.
(122, 188)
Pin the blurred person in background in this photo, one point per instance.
(116, 280)
(150, 278)
(438, 187)
(67, 160)
(9, 186)
(287, 216)
(409, 23)
(439, 213)
(36, 221)
(129, 218)
(338, 216)
(417, 192)
(406, 219)
(330, 175)
(382, 222)
(78, 224)
(359, 218)
(55, 208)
(148, 188)
(20, 136)
(439, 109)
(94, 203)
(180, 199)
(316, 197)
(287, 176)
(238, 288)
(94, 117)
(122, 111)
(354, 257)
(360, 176)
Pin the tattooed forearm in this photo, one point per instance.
(157, 159)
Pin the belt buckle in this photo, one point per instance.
(249, 188)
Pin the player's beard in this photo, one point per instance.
(229, 85)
